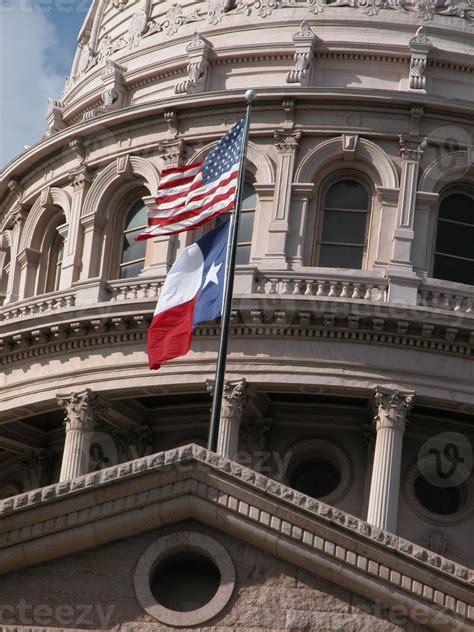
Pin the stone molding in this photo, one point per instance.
(357, 323)
(375, 563)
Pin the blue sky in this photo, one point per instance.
(37, 44)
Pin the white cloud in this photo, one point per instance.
(26, 79)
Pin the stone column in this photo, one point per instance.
(81, 413)
(392, 407)
(234, 400)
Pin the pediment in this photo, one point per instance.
(191, 483)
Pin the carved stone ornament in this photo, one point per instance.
(81, 410)
(173, 152)
(234, 399)
(304, 40)
(392, 407)
(412, 149)
(199, 51)
(16, 188)
(37, 467)
(120, 4)
(287, 141)
(134, 444)
(254, 436)
(420, 47)
(54, 117)
(424, 10)
(436, 541)
(216, 9)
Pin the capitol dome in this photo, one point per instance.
(342, 490)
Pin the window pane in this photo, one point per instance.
(455, 239)
(246, 226)
(453, 269)
(347, 194)
(133, 249)
(249, 199)
(220, 219)
(137, 216)
(131, 270)
(458, 207)
(340, 256)
(340, 227)
(242, 255)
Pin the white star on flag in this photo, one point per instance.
(211, 276)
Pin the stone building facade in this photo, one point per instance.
(341, 497)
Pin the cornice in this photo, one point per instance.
(191, 482)
(125, 321)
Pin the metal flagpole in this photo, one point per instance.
(250, 96)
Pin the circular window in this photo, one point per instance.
(315, 477)
(320, 469)
(434, 503)
(184, 579)
(440, 500)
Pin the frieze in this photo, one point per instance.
(424, 10)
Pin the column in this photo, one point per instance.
(287, 142)
(234, 400)
(392, 407)
(81, 413)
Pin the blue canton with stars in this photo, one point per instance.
(225, 154)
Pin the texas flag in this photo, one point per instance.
(191, 294)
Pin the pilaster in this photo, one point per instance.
(287, 143)
(403, 281)
(391, 408)
(81, 179)
(15, 222)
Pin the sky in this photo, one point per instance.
(38, 39)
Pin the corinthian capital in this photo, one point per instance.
(287, 141)
(392, 407)
(234, 399)
(81, 410)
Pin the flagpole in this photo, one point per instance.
(250, 96)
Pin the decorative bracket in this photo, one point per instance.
(199, 52)
(304, 40)
(54, 117)
(420, 47)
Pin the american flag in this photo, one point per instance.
(190, 196)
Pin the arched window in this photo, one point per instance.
(247, 216)
(343, 233)
(454, 248)
(133, 252)
(55, 259)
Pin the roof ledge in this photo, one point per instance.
(191, 482)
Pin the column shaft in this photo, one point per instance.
(390, 419)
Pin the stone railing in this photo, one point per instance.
(134, 289)
(33, 306)
(322, 285)
(445, 295)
